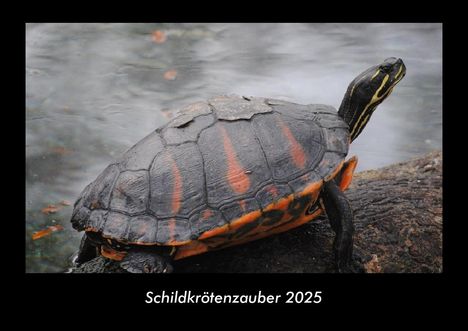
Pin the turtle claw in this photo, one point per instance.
(343, 266)
(348, 262)
(145, 262)
(353, 267)
(343, 247)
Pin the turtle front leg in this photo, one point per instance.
(87, 251)
(140, 261)
(340, 215)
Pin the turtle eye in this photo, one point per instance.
(385, 68)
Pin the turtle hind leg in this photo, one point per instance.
(87, 251)
(143, 261)
(340, 215)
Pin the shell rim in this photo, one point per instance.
(309, 188)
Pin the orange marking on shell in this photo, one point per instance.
(286, 217)
(171, 226)
(236, 176)
(281, 228)
(112, 254)
(138, 243)
(347, 174)
(288, 226)
(215, 232)
(248, 218)
(193, 248)
(296, 150)
(281, 204)
(177, 185)
(198, 246)
(242, 205)
(207, 214)
(273, 191)
(312, 188)
(335, 172)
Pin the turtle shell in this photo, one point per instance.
(222, 171)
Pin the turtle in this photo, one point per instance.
(227, 171)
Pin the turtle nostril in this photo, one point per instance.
(391, 60)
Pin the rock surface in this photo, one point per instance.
(398, 221)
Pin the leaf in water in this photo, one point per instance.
(46, 232)
(60, 150)
(50, 209)
(170, 74)
(65, 203)
(158, 36)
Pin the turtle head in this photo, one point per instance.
(367, 91)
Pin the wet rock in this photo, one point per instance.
(98, 265)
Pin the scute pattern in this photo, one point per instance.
(177, 182)
(173, 230)
(231, 108)
(116, 226)
(236, 209)
(188, 133)
(301, 141)
(99, 193)
(271, 193)
(130, 193)
(217, 161)
(234, 163)
(205, 220)
(140, 156)
(189, 113)
(142, 229)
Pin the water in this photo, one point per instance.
(94, 90)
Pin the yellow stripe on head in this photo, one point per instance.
(363, 123)
(374, 99)
(390, 89)
(399, 72)
(355, 84)
(375, 75)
